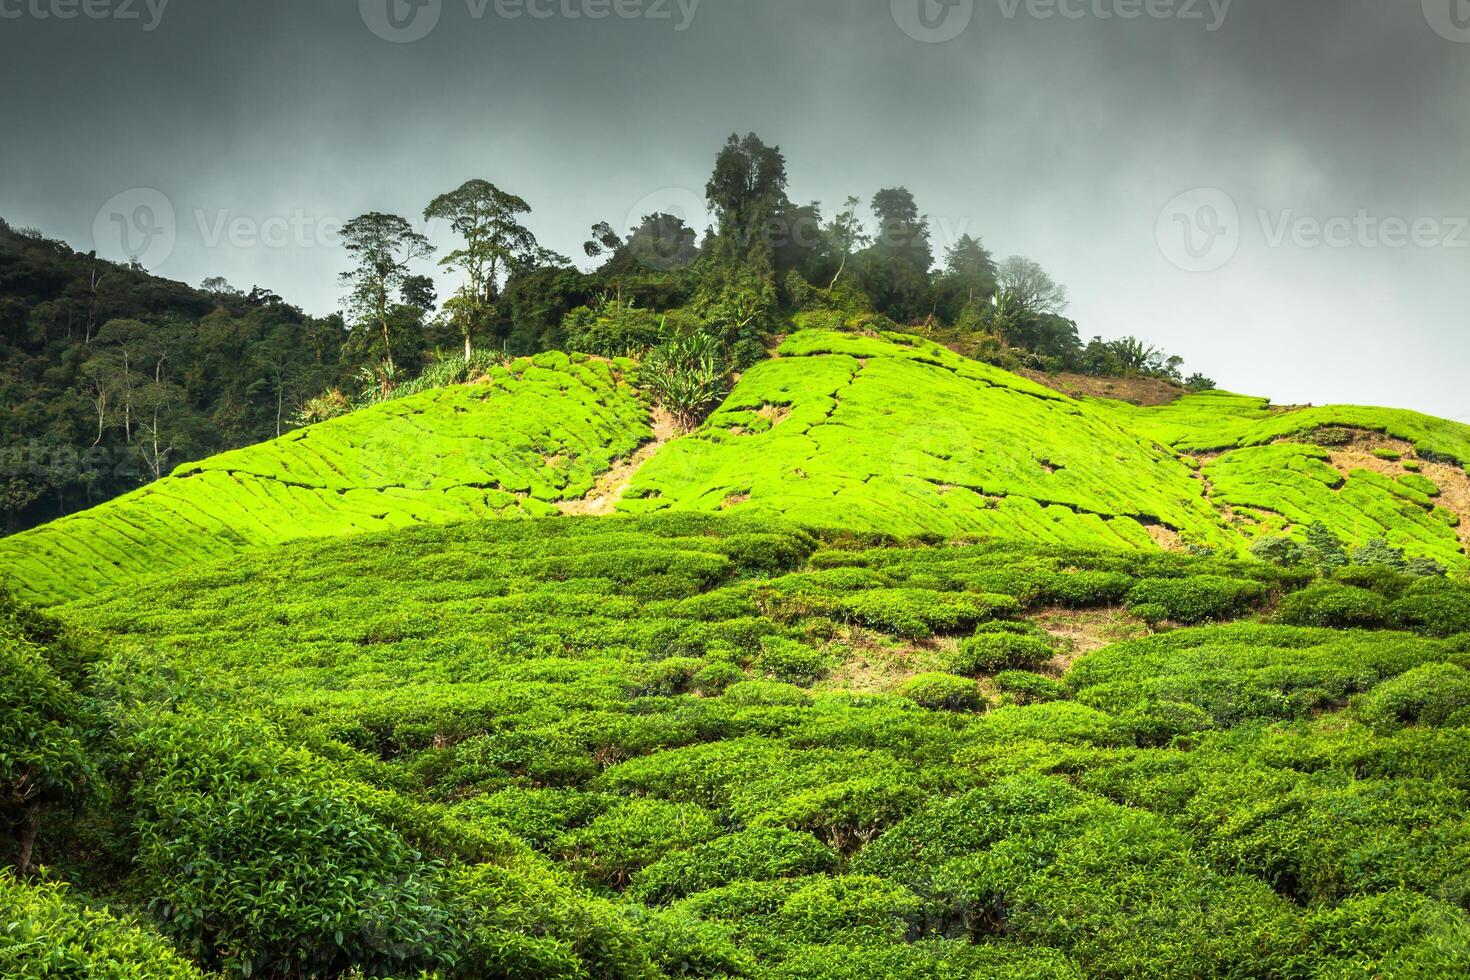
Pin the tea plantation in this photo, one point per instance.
(724, 746)
(898, 665)
(536, 432)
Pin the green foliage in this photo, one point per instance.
(747, 855)
(688, 375)
(45, 933)
(1435, 607)
(257, 863)
(990, 653)
(1434, 694)
(1199, 598)
(791, 662)
(943, 692)
(1335, 605)
(43, 762)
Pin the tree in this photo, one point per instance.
(902, 232)
(383, 246)
(747, 190)
(845, 235)
(495, 244)
(969, 266)
(1027, 286)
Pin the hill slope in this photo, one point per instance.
(900, 435)
(889, 434)
(536, 432)
(1364, 472)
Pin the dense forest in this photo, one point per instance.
(110, 377)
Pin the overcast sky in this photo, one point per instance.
(1278, 190)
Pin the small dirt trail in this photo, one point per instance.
(608, 489)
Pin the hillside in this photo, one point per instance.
(719, 746)
(888, 434)
(535, 433)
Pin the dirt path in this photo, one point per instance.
(608, 489)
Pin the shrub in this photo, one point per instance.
(1278, 549)
(259, 864)
(923, 612)
(856, 908)
(689, 375)
(1157, 723)
(1153, 614)
(943, 692)
(525, 921)
(716, 678)
(45, 934)
(1387, 582)
(791, 662)
(748, 855)
(634, 834)
(988, 653)
(1337, 606)
(1199, 598)
(1081, 590)
(1434, 695)
(1435, 607)
(42, 759)
(847, 813)
(1024, 687)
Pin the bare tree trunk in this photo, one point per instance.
(833, 283)
(28, 838)
(468, 350)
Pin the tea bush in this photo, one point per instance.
(943, 692)
(1337, 606)
(1434, 694)
(45, 933)
(747, 855)
(1199, 598)
(989, 653)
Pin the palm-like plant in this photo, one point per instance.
(689, 375)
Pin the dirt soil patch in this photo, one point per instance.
(609, 488)
(1146, 392)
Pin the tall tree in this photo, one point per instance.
(902, 232)
(383, 245)
(747, 189)
(845, 235)
(495, 244)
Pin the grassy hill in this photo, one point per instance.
(890, 434)
(535, 433)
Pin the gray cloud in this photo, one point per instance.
(1059, 137)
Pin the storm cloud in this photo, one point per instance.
(1275, 190)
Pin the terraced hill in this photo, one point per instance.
(890, 434)
(1366, 473)
(536, 432)
(899, 435)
